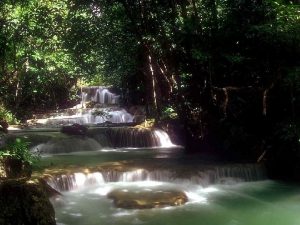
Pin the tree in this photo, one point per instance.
(35, 62)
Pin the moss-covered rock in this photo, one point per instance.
(146, 198)
(24, 203)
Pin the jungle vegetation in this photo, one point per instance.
(227, 71)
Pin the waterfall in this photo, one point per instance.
(75, 181)
(93, 99)
(50, 142)
(110, 114)
(205, 176)
(62, 143)
(113, 116)
(137, 137)
(100, 94)
(83, 99)
(163, 138)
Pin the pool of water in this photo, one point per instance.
(94, 158)
(248, 203)
(233, 202)
(263, 202)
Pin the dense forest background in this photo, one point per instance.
(224, 73)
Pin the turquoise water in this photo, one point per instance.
(217, 194)
(94, 158)
(232, 202)
(249, 203)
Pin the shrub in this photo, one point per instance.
(19, 149)
(17, 159)
(7, 116)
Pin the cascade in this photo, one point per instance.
(62, 143)
(137, 137)
(110, 136)
(98, 105)
(89, 116)
(99, 94)
(96, 138)
(108, 115)
(204, 176)
(101, 97)
(163, 138)
(216, 193)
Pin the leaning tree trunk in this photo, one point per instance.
(152, 83)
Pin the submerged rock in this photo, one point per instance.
(147, 198)
(24, 203)
(66, 144)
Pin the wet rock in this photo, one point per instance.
(49, 191)
(147, 198)
(24, 203)
(139, 118)
(75, 129)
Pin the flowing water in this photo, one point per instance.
(218, 193)
(52, 141)
(251, 203)
(104, 108)
(112, 158)
(85, 168)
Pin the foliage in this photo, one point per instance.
(148, 123)
(7, 116)
(18, 149)
(287, 132)
(36, 69)
(204, 62)
(169, 113)
(102, 113)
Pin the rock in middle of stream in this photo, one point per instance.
(147, 198)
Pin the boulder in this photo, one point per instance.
(75, 129)
(49, 191)
(24, 203)
(139, 118)
(147, 198)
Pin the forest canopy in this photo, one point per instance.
(223, 68)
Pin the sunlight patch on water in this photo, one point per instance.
(124, 213)
(103, 191)
(209, 189)
(76, 214)
(113, 150)
(72, 203)
(195, 198)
